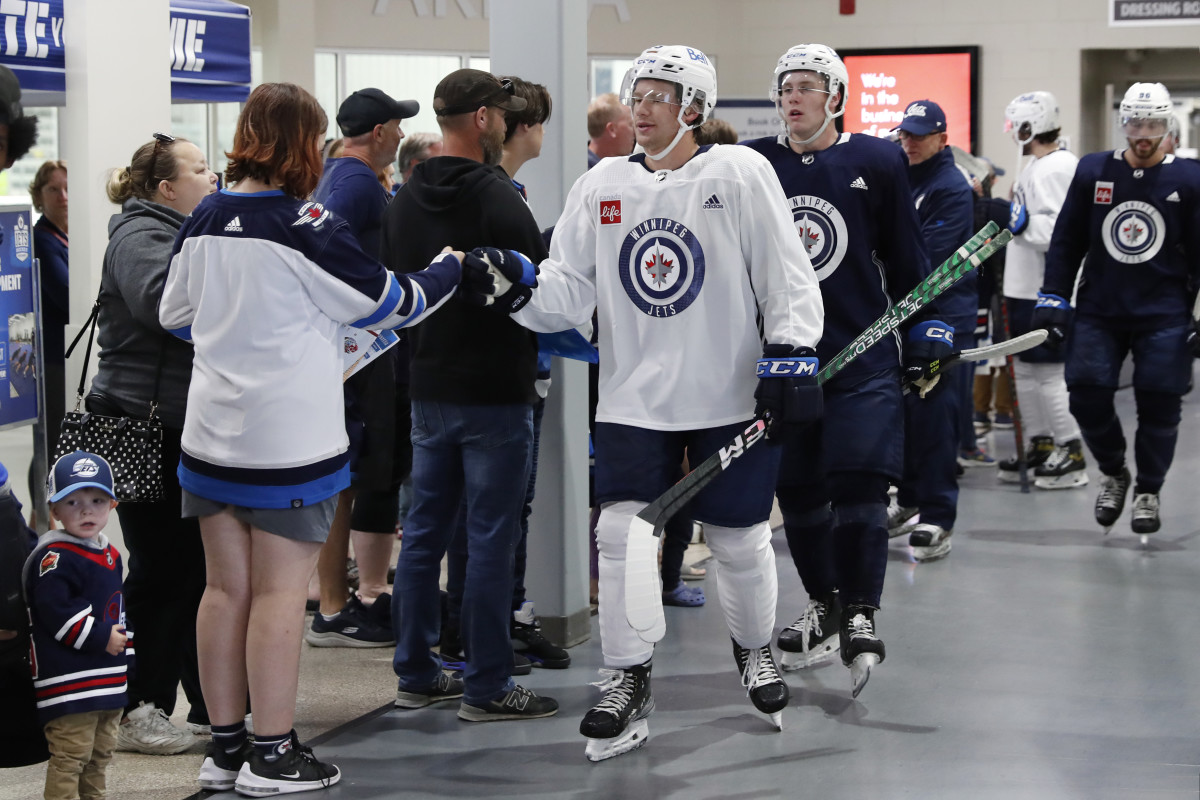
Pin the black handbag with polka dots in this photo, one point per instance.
(131, 446)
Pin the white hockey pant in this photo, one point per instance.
(1045, 407)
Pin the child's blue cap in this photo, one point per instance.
(79, 470)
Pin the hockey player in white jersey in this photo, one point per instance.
(686, 251)
(1055, 452)
(852, 208)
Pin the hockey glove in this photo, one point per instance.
(501, 279)
(1193, 340)
(1018, 216)
(1053, 313)
(788, 390)
(929, 344)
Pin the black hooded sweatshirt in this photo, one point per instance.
(463, 353)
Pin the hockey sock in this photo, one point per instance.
(810, 541)
(618, 640)
(229, 737)
(270, 748)
(1154, 441)
(747, 581)
(861, 549)
(1092, 407)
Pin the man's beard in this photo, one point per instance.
(492, 142)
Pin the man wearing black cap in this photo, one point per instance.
(376, 418)
(472, 384)
(945, 209)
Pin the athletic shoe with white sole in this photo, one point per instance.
(296, 770)
(147, 730)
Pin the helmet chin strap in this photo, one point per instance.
(804, 142)
(683, 128)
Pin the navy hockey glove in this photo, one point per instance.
(1053, 313)
(1193, 340)
(929, 344)
(788, 389)
(1018, 216)
(502, 279)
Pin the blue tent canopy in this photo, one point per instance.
(209, 52)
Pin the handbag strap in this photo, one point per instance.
(90, 326)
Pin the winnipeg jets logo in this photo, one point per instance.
(822, 232)
(661, 265)
(658, 266)
(1133, 232)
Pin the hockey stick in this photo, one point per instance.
(643, 594)
(1005, 349)
(1018, 427)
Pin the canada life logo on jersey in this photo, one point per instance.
(610, 210)
(1104, 192)
(1133, 232)
(661, 265)
(822, 232)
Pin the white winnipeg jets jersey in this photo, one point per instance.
(691, 271)
(1042, 188)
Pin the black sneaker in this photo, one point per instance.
(517, 703)
(353, 626)
(446, 687)
(528, 641)
(220, 769)
(521, 665)
(297, 770)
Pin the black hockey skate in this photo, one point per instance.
(618, 723)
(861, 648)
(1040, 448)
(1064, 469)
(929, 542)
(760, 676)
(899, 518)
(813, 638)
(1145, 514)
(1111, 501)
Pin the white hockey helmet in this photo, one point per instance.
(1145, 110)
(1030, 115)
(686, 67)
(695, 81)
(816, 58)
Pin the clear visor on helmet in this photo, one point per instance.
(799, 83)
(1022, 132)
(1143, 128)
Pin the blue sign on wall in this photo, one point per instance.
(209, 47)
(18, 328)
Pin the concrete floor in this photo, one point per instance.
(1039, 660)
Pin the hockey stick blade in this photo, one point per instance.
(1019, 344)
(646, 615)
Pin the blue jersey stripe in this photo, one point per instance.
(395, 297)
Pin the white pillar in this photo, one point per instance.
(288, 40)
(545, 41)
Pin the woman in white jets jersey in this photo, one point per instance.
(692, 258)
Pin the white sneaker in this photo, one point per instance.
(147, 730)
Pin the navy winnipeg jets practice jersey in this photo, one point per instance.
(1140, 231)
(854, 213)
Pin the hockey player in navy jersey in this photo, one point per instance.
(945, 207)
(848, 196)
(1134, 214)
(1055, 452)
(685, 251)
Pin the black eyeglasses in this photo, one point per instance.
(159, 140)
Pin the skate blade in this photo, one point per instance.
(794, 661)
(1071, 481)
(777, 720)
(636, 735)
(1145, 539)
(860, 671)
(923, 554)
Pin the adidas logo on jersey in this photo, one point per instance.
(858, 183)
(234, 225)
(1173, 197)
(713, 203)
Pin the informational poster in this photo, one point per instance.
(883, 84)
(19, 339)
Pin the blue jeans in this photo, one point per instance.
(481, 453)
